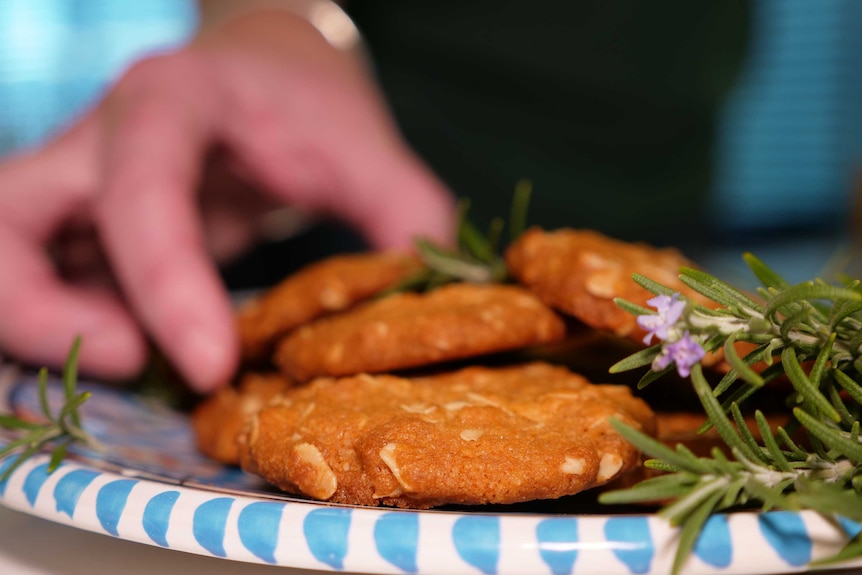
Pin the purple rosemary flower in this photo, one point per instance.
(669, 310)
(685, 352)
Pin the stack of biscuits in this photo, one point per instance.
(392, 400)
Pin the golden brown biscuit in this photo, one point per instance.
(217, 421)
(475, 436)
(333, 284)
(580, 272)
(411, 330)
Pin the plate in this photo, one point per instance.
(149, 485)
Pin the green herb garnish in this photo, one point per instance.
(58, 430)
(476, 257)
(809, 333)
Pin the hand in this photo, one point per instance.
(266, 93)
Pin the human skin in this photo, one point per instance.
(285, 119)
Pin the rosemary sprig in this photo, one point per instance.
(476, 257)
(58, 430)
(811, 334)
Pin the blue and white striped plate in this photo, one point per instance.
(152, 487)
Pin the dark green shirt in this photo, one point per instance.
(607, 106)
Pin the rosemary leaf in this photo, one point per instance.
(636, 360)
(778, 459)
(70, 409)
(475, 244)
(747, 437)
(12, 422)
(733, 493)
(716, 414)
(691, 530)
(660, 465)
(632, 308)
(651, 286)
(829, 498)
(769, 495)
(805, 386)
(741, 367)
(57, 456)
(791, 446)
(842, 311)
(716, 290)
(816, 371)
(847, 418)
(764, 273)
(853, 389)
(809, 291)
(654, 489)
(706, 491)
(830, 436)
(657, 449)
(652, 376)
(43, 393)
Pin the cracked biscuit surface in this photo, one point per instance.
(478, 435)
(328, 286)
(580, 272)
(411, 330)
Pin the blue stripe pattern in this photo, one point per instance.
(68, 490)
(557, 538)
(714, 546)
(634, 532)
(258, 525)
(326, 533)
(477, 540)
(787, 535)
(111, 501)
(34, 481)
(208, 525)
(157, 516)
(4, 467)
(396, 536)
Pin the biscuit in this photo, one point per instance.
(331, 285)
(410, 330)
(219, 419)
(580, 272)
(475, 436)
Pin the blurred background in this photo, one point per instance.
(789, 144)
(58, 56)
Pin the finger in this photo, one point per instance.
(400, 201)
(42, 188)
(42, 316)
(151, 230)
(322, 138)
(364, 175)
